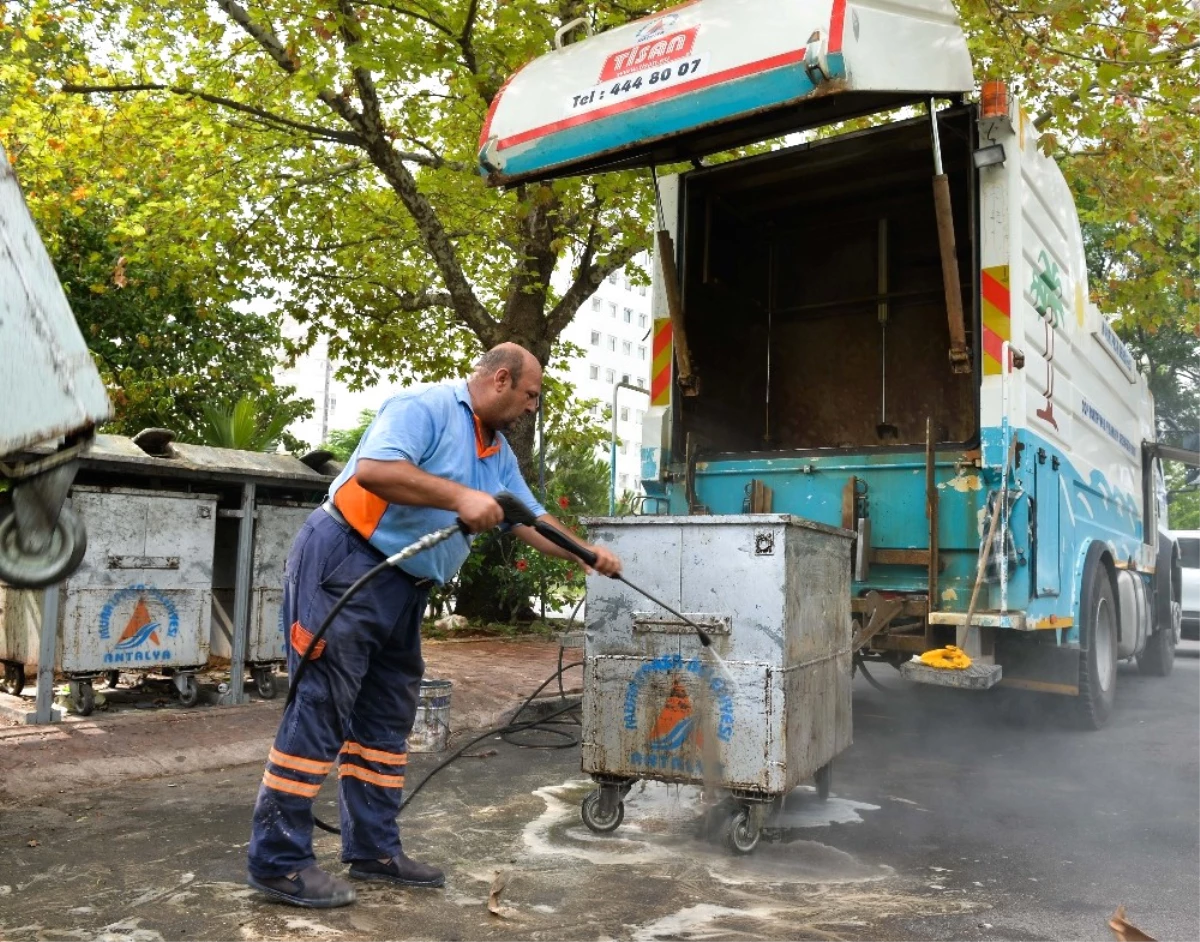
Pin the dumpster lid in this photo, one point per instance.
(709, 75)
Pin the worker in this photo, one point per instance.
(428, 457)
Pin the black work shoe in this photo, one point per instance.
(399, 869)
(312, 887)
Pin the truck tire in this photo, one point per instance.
(1097, 647)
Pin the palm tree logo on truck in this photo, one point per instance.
(1046, 292)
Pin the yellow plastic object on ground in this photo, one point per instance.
(947, 658)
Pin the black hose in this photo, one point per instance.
(503, 731)
(862, 666)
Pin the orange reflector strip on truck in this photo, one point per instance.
(660, 368)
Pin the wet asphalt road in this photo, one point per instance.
(946, 823)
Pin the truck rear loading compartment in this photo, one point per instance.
(814, 297)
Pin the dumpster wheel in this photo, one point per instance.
(188, 689)
(61, 556)
(594, 815)
(14, 677)
(264, 682)
(83, 696)
(742, 831)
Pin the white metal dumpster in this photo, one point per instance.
(140, 600)
(276, 524)
(773, 593)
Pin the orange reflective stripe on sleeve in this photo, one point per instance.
(375, 755)
(310, 766)
(362, 509)
(290, 786)
(301, 638)
(374, 778)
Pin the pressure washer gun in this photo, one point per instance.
(518, 515)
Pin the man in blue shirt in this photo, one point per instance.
(428, 457)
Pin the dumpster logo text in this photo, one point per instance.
(149, 621)
(676, 735)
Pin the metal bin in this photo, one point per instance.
(773, 593)
(276, 524)
(140, 600)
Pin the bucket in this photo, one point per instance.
(431, 728)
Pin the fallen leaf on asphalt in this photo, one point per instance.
(1124, 930)
(499, 882)
(34, 843)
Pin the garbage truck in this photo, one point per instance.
(51, 401)
(880, 322)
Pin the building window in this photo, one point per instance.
(608, 376)
(624, 413)
(625, 481)
(614, 278)
(332, 403)
(626, 347)
(596, 302)
(612, 309)
(641, 351)
(642, 382)
(642, 320)
(595, 338)
(593, 371)
(628, 315)
(612, 343)
(642, 290)
(624, 377)
(624, 449)
(595, 405)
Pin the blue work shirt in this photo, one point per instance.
(435, 428)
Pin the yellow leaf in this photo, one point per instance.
(80, 192)
(97, 289)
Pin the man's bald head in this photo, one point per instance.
(506, 384)
(506, 356)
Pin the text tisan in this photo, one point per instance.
(648, 55)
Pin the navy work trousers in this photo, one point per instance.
(355, 704)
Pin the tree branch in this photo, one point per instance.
(373, 138)
(275, 120)
(277, 51)
(464, 38)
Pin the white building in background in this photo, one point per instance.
(614, 329)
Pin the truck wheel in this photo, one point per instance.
(1098, 648)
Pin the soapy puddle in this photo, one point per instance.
(661, 826)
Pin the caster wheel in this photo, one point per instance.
(189, 690)
(592, 815)
(824, 780)
(741, 836)
(83, 696)
(14, 678)
(114, 678)
(55, 562)
(264, 683)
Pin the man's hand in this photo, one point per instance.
(607, 562)
(479, 511)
